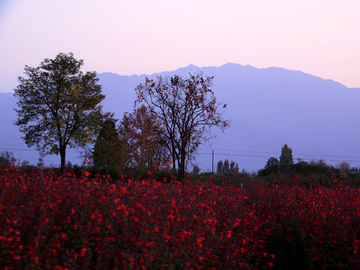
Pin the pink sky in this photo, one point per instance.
(320, 37)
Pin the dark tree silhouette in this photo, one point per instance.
(271, 162)
(108, 150)
(226, 167)
(59, 106)
(286, 157)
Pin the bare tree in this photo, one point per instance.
(186, 109)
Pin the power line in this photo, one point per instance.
(253, 156)
(12, 149)
(272, 153)
(11, 144)
(17, 149)
(216, 149)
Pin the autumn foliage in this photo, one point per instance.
(142, 145)
(186, 110)
(61, 222)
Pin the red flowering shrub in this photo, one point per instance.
(49, 221)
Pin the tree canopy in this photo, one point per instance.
(141, 143)
(226, 167)
(108, 150)
(271, 162)
(286, 157)
(59, 106)
(186, 109)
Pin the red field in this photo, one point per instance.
(48, 222)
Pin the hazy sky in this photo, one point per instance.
(320, 37)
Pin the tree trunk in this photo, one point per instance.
(62, 157)
(182, 165)
(174, 158)
(179, 173)
(174, 164)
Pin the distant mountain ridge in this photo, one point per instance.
(268, 107)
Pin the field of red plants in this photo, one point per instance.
(53, 222)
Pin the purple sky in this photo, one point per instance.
(320, 37)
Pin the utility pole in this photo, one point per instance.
(212, 164)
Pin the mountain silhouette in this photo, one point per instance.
(267, 107)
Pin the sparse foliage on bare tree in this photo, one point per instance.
(59, 106)
(186, 109)
(7, 158)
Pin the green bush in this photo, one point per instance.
(77, 171)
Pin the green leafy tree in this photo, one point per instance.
(220, 167)
(271, 162)
(186, 109)
(59, 106)
(227, 167)
(234, 167)
(286, 157)
(108, 149)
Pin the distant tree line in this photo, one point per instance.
(318, 170)
(227, 167)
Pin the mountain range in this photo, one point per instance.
(267, 108)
